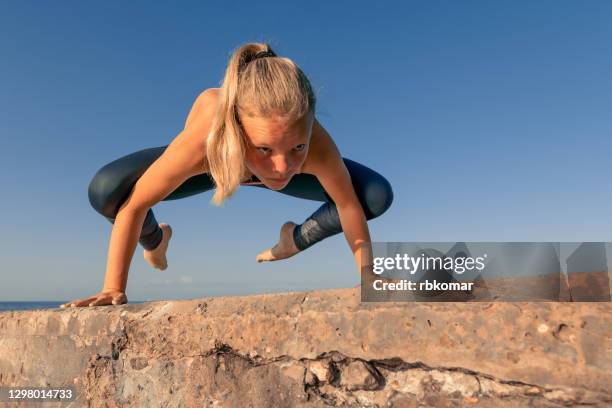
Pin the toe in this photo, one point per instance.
(265, 256)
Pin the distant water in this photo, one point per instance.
(5, 306)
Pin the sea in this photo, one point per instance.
(39, 304)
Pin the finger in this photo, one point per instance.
(81, 302)
(100, 301)
(65, 305)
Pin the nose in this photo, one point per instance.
(282, 166)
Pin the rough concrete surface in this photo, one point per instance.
(314, 349)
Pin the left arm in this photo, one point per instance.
(333, 175)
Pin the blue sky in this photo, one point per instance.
(491, 120)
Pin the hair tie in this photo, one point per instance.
(262, 54)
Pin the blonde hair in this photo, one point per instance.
(265, 87)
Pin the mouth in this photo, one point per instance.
(279, 180)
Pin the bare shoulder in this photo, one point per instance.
(197, 126)
(204, 106)
(326, 163)
(183, 158)
(322, 148)
(208, 98)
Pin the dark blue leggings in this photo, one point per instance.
(113, 183)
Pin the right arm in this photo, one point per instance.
(182, 159)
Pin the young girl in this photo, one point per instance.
(262, 132)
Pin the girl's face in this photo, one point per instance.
(276, 150)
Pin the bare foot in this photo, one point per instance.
(285, 247)
(157, 257)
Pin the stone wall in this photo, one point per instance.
(318, 349)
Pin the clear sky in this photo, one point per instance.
(491, 120)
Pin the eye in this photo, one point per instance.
(264, 149)
(300, 147)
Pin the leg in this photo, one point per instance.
(373, 191)
(113, 183)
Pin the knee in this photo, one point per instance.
(103, 192)
(378, 196)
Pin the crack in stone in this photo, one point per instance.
(335, 361)
(397, 364)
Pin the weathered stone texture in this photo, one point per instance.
(315, 349)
